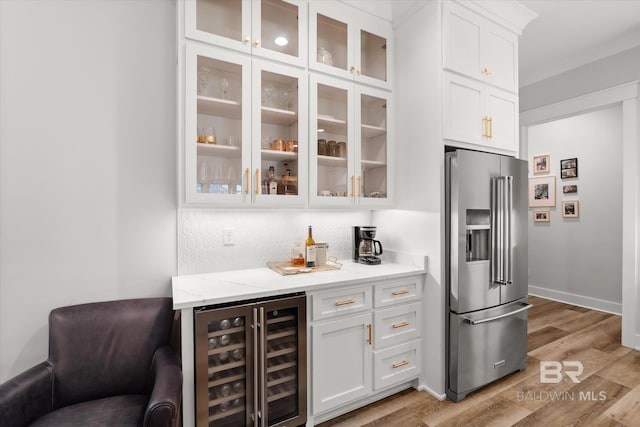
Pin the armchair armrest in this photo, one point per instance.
(27, 396)
(163, 408)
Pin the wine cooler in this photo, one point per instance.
(251, 363)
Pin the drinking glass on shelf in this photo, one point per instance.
(210, 135)
(224, 87)
(203, 177)
(203, 78)
(267, 96)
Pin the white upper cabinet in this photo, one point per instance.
(479, 114)
(478, 48)
(351, 144)
(350, 44)
(242, 117)
(274, 29)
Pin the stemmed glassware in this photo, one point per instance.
(203, 78)
(224, 87)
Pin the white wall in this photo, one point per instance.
(87, 161)
(259, 236)
(580, 259)
(603, 74)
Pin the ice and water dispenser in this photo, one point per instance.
(478, 235)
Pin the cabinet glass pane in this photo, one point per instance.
(374, 146)
(282, 365)
(373, 54)
(332, 42)
(332, 142)
(279, 22)
(227, 386)
(220, 17)
(279, 129)
(219, 125)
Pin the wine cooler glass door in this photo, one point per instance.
(283, 340)
(224, 379)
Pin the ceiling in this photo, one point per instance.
(570, 33)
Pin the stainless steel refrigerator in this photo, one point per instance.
(486, 269)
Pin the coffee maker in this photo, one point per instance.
(365, 248)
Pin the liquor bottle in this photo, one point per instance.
(310, 250)
(271, 184)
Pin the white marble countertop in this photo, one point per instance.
(195, 290)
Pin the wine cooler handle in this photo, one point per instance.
(256, 414)
(263, 379)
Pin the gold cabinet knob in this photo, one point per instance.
(486, 72)
(247, 39)
(256, 42)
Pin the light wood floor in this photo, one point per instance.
(608, 394)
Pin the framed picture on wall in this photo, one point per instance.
(566, 189)
(541, 163)
(541, 216)
(569, 168)
(570, 209)
(542, 191)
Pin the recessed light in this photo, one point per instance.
(320, 130)
(281, 41)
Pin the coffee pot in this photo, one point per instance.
(366, 248)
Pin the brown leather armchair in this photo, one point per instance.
(110, 364)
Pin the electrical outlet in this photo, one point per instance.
(227, 236)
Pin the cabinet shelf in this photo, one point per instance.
(277, 116)
(332, 125)
(228, 151)
(287, 333)
(276, 156)
(372, 164)
(225, 367)
(219, 107)
(332, 161)
(225, 414)
(370, 131)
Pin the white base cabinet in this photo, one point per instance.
(364, 340)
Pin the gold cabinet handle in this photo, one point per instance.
(353, 185)
(256, 42)
(359, 71)
(359, 186)
(352, 68)
(370, 340)
(247, 39)
(397, 365)
(257, 181)
(490, 120)
(487, 72)
(484, 127)
(400, 325)
(246, 181)
(345, 302)
(402, 292)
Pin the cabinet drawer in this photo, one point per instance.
(405, 290)
(397, 364)
(331, 304)
(396, 325)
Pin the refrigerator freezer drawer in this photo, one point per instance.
(486, 345)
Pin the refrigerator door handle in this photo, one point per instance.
(508, 227)
(497, 223)
(525, 306)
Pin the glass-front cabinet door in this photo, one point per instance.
(217, 128)
(280, 135)
(374, 179)
(331, 164)
(351, 159)
(274, 29)
(352, 48)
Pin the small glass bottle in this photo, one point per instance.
(271, 184)
(297, 255)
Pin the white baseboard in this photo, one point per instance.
(636, 344)
(580, 300)
(431, 392)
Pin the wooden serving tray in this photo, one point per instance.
(284, 267)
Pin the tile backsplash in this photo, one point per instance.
(258, 236)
